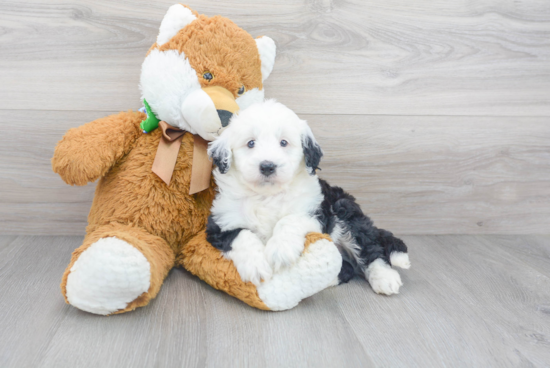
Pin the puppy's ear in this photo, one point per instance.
(312, 151)
(220, 153)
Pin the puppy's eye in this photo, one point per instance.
(284, 143)
(250, 144)
(208, 76)
(241, 90)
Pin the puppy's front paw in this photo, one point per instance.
(248, 257)
(283, 252)
(254, 269)
(382, 278)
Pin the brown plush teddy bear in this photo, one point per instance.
(142, 223)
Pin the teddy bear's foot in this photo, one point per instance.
(117, 269)
(108, 276)
(315, 270)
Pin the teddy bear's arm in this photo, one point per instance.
(86, 153)
(316, 269)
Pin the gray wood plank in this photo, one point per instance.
(413, 175)
(465, 302)
(31, 304)
(34, 200)
(314, 335)
(377, 57)
(532, 250)
(190, 324)
(170, 332)
(5, 241)
(37, 328)
(442, 175)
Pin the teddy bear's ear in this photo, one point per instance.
(177, 17)
(267, 49)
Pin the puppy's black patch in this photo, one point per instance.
(327, 214)
(312, 153)
(346, 208)
(340, 207)
(346, 272)
(219, 239)
(220, 157)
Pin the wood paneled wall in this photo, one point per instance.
(434, 114)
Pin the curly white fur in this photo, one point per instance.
(248, 257)
(279, 203)
(287, 242)
(277, 208)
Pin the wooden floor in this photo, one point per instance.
(435, 114)
(475, 301)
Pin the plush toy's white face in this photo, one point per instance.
(265, 147)
(202, 101)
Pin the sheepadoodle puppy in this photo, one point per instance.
(269, 197)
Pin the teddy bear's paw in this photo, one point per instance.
(317, 268)
(382, 278)
(400, 259)
(283, 251)
(247, 254)
(107, 276)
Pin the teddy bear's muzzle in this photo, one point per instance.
(225, 116)
(209, 110)
(224, 102)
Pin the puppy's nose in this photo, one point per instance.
(267, 168)
(224, 117)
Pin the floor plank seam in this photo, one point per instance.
(312, 114)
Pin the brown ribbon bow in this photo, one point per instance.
(167, 154)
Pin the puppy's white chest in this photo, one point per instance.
(264, 213)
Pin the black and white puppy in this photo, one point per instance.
(269, 197)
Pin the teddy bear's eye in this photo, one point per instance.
(250, 144)
(241, 90)
(284, 143)
(208, 76)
